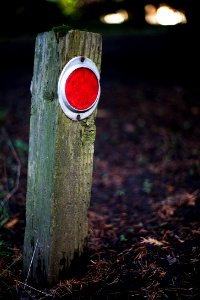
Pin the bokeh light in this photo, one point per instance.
(163, 15)
(115, 18)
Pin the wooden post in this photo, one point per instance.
(60, 162)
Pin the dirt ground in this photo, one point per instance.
(144, 225)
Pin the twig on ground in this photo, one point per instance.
(14, 153)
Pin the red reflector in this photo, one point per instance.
(81, 88)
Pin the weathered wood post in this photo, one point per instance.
(60, 162)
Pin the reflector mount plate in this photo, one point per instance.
(79, 88)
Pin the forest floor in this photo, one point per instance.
(144, 225)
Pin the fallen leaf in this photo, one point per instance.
(153, 241)
(11, 223)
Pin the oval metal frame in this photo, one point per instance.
(73, 64)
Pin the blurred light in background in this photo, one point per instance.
(164, 15)
(116, 18)
(69, 7)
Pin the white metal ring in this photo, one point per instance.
(72, 65)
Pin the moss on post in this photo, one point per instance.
(60, 162)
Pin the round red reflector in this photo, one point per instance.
(81, 88)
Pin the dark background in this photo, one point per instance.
(133, 50)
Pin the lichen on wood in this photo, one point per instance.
(61, 30)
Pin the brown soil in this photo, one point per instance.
(144, 225)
